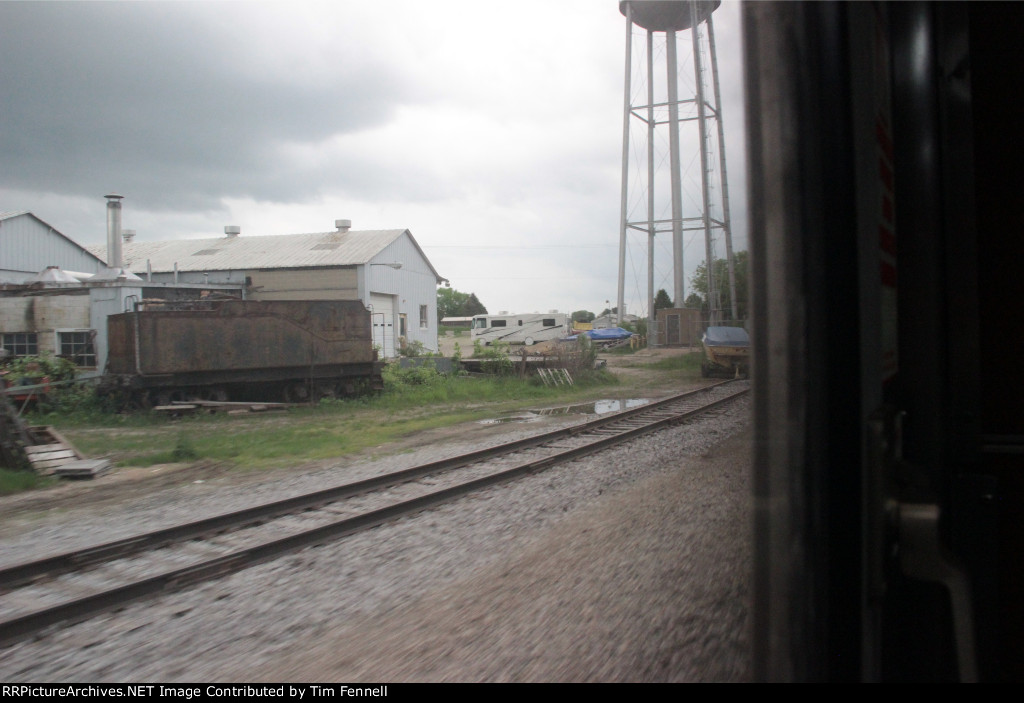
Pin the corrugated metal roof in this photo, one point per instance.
(267, 252)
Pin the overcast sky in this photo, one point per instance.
(491, 130)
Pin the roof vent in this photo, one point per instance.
(343, 225)
(128, 235)
(232, 230)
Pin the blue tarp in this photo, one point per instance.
(726, 337)
(609, 334)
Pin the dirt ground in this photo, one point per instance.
(632, 363)
(128, 483)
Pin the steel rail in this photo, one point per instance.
(48, 567)
(18, 628)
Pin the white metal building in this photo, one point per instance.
(29, 245)
(386, 269)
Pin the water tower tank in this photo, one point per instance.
(667, 15)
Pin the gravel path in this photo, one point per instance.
(632, 565)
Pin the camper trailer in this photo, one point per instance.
(520, 329)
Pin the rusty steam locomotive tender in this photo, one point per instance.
(221, 350)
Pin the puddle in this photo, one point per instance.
(527, 417)
(598, 407)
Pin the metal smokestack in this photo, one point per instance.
(114, 230)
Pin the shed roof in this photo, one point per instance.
(318, 249)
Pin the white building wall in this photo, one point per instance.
(28, 245)
(305, 284)
(105, 301)
(413, 285)
(228, 278)
(334, 283)
(84, 310)
(44, 315)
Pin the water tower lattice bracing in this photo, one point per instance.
(674, 177)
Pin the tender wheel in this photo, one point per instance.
(325, 390)
(296, 393)
(216, 394)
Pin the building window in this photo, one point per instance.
(403, 325)
(77, 347)
(423, 317)
(21, 343)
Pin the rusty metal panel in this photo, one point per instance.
(236, 335)
(120, 344)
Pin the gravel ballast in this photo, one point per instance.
(630, 565)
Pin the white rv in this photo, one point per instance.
(520, 329)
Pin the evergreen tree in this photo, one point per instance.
(662, 301)
(473, 307)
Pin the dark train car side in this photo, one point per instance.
(886, 233)
(242, 350)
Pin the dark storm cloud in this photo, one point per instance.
(168, 102)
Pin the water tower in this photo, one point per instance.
(653, 185)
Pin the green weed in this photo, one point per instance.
(17, 481)
(685, 362)
(414, 400)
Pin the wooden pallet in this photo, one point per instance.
(49, 450)
(186, 407)
(555, 377)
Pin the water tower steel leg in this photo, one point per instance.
(674, 167)
(726, 222)
(650, 181)
(705, 195)
(625, 163)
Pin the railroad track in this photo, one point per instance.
(74, 586)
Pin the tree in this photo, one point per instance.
(693, 300)
(582, 316)
(699, 283)
(473, 307)
(662, 301)
(449, 301)
(453, 303)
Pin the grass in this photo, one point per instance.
(414, 400)
(17, 481)
(686, 362)
(422, 401)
